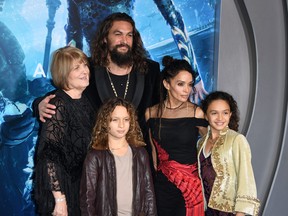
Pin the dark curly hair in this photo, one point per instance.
(99, 49)
(220, 95)
(172, 67)
(100, 131)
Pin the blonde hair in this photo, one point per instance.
(100, 131)
(62, 64)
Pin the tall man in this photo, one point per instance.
(84, 17)
(119, 68)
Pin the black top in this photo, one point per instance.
(145, 94)
(178, 137)
(120, 82)
(62, 147)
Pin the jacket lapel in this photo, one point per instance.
(103, 86)
(139, 89)
(105, 92)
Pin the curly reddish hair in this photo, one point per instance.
(100, 131)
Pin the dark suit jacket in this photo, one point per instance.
(145, 95)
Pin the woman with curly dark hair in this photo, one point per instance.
(224, 160)
(116, 178)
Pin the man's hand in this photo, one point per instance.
(199, 93)
(45, 109)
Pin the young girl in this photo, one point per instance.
(116, 178)
(224, 160)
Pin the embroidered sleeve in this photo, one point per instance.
(246, 198)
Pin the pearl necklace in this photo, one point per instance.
(112, 84)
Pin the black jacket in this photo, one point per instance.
(146, 93)
(98, 184)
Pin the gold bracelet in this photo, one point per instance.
(60, 199)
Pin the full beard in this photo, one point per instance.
(121, 58)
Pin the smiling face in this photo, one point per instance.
(119, 124)
(120, 41)
(78, 78)
(120, 36)
(218, 115)
(179, 87)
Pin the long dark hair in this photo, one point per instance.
(220, 95)
(99, 48)
(172, 67)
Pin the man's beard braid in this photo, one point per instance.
(121, 58)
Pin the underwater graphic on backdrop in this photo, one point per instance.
(31, 30)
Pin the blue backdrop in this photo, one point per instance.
(30, 30)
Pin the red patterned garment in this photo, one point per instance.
(185, 178)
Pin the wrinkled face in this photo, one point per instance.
(179, 87)
(218, 115)
(119, 124)
(78, 78)
(120, 41)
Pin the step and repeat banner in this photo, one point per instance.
(31, 29)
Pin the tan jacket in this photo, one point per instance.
(234, 188)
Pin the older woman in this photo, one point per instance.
(64, 138)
